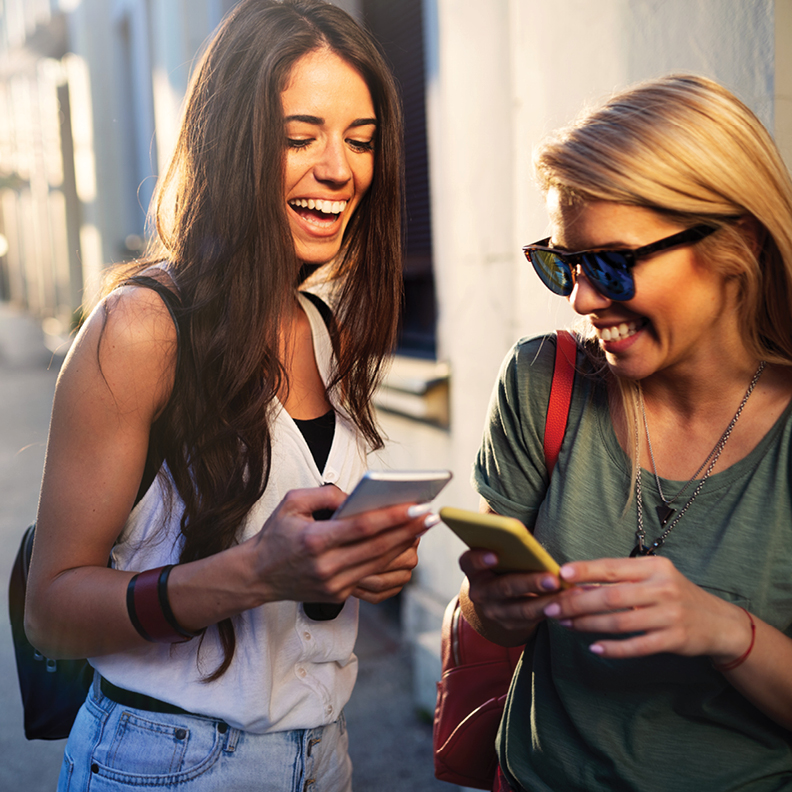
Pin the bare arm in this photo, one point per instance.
(107, 397)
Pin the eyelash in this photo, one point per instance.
(356, 145)
(362, 145)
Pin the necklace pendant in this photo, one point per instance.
(641, 550)
(664, 513)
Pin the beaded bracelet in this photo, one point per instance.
(149, 608)
(743, 657)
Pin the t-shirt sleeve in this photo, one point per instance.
(509, 471)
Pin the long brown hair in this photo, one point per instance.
(220, 220)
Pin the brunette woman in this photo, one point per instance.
(668, 664)
(202, 405)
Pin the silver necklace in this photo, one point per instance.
(665, 512)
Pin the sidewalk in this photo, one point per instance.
(391, 746)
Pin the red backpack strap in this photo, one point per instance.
(560, 397)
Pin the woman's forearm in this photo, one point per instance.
(765, 677)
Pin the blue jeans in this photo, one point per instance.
(113, 748)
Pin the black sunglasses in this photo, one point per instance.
(608, 270)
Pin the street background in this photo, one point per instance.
(390, 743)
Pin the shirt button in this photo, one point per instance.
(329, 709)
(307, 635)
(301, 672)
(330, 476)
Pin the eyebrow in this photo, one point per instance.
(606, 246)
(316, 121)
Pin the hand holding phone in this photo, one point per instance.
(376, 490)
(516, 547)
(380, 488)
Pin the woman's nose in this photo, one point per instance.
(585, 299)
(333, 165)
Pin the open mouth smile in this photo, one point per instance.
(317, 211)
(620, 331)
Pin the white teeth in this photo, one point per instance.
(327, 207)
(617, 332)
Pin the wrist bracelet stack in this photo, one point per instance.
(149, 608)
(744, 656)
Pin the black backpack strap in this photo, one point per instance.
(321, 306)
(173, 303)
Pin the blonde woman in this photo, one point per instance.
(668, 665)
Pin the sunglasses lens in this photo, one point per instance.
(609, 271)
(553, 271)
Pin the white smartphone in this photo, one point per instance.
(380, 488)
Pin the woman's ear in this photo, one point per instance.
(753, 232)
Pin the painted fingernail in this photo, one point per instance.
(431, 521)
(418, 509)
(490, 559)
(548, 584)
(596, 649)
(552, 610)
(567, 572)
(565, 622)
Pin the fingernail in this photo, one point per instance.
(596, 649)
(567, 572)
(490, 559)
(548, 584)
(431, 521)
(565, 622)
(552, 610)
(418, 509)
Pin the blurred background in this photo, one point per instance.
(90, 97)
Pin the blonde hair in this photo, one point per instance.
(686, 147)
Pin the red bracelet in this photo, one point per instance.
(149, 609)
(743, 657)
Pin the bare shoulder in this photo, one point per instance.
(127, 347)
(137, 315)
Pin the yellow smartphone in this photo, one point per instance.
(507, 537)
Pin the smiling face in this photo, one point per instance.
(683, 313)
(330, 126)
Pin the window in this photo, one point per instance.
(399, 29)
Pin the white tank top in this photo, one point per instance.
(288, 672)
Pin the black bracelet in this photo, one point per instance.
(167, 612)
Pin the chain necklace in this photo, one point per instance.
(665, 512)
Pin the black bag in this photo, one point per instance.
(52, 690)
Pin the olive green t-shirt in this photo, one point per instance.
(665, 723)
